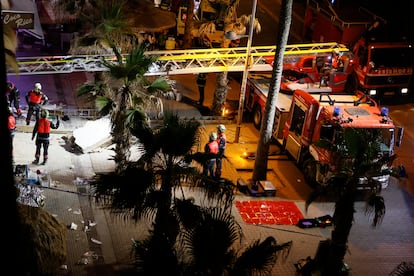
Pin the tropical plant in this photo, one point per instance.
(123, 92)
(205, 241)
(358, 155)
(181, 230)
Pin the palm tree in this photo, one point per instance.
(124, 92)
(180, 229)
(209, 240)
(266, 129)
(358, 154)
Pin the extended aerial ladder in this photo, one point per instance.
(171, 62)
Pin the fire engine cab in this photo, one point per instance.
(302, 119)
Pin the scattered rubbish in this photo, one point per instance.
(80, 181)
(77, 212)
(73, 226)
(31, 195)
(96, 241)
(321, 222)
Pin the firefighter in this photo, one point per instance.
(221, 141)
(13, 97)
(337, 60)
(212, 148)
(325, 74)
(35, 98)
(11, 123)
(201, 83)
(41, 131)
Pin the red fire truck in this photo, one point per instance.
(303, 118)
(384, 59)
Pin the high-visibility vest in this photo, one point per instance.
(35, 97)
(11, 123)
(43, 126)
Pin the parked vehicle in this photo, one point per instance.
(302, 119)
(384, 58)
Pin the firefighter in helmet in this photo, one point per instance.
(221, 140)
(211, 148)
(41, 131)
(35, 98)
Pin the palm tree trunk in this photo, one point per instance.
(342, 219)
(220, 94)
(121, 135)
(266, 129)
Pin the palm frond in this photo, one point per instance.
(260, 257)
(104, 105)
(375, 206)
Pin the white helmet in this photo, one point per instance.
(221, 128)
(213, 136)
(38, 86)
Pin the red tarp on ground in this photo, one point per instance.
(269, 212)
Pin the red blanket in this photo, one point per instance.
(269, 212)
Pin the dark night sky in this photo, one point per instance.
(396, 12)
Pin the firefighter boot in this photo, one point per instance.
(36, 161)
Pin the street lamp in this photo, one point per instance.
(245, 72)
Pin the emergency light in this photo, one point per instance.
(384, 111)
(337, 111)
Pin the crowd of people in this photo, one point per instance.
(35, 100)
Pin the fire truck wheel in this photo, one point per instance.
(309, 171)
(257, 116)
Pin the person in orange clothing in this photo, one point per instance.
(211, 148)
(35, 98)
(41, 131)
(11, 123)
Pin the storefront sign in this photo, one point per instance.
(18, 19)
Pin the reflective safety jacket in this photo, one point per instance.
(42, 128)
(11, 123)
(36, 98)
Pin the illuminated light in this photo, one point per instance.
(372, 92)
(337, 111)
(404, 90)
(384, 111)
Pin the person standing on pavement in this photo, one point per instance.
(35, 98)
(11, 123)
(221, 141)
(42, 132)
(201, 83)
(13, 97)
(211, 148)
